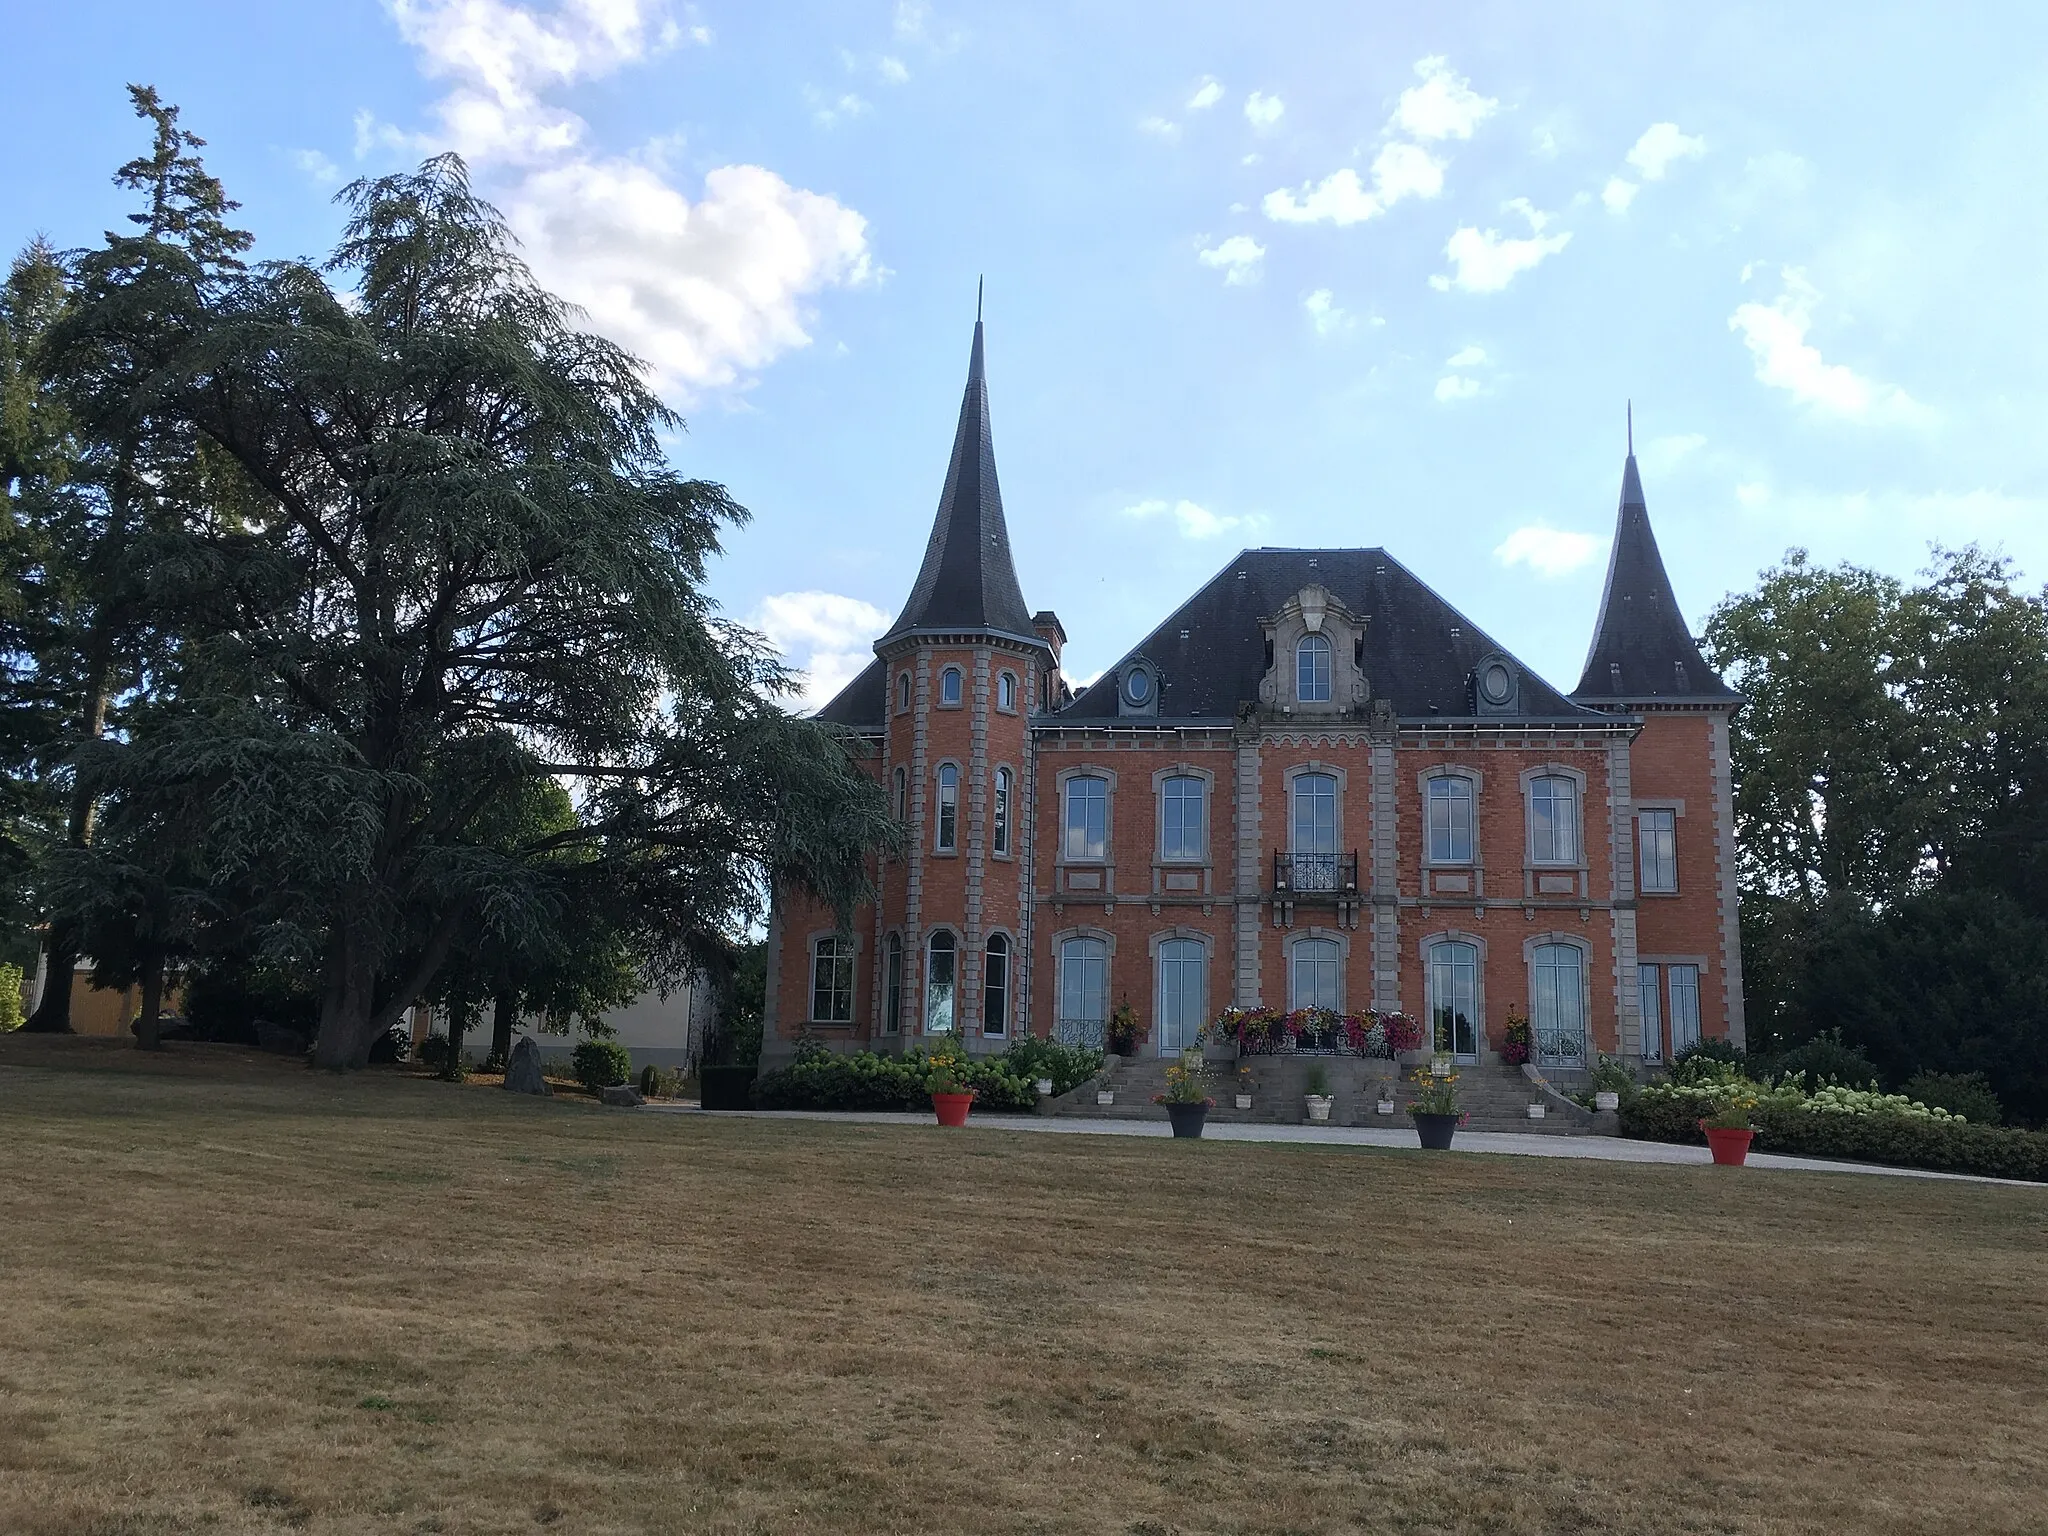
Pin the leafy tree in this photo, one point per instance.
(465, 566)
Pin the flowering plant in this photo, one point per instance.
(1187, 1082)
(1731, 1107)
(1125, 1032)
(945, 1069)
(1515, 1040)
(1249, 1029)
(1403, 1033)
(1434, 1095)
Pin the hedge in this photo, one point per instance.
(862, 1080)
(1901, 1141)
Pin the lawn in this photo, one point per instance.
(242, 1297)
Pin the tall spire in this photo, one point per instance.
(968, 580)
(1641, 647)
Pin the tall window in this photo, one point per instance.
(1312, 974)
(1454, 996)
(1450, 821)
(1554, 820)
(1312, 670)
(995, 987)
(1315, 832)
(1180, 813)
(1657, 838)
(903, 794)
(1000, 839)
(1006, 690)
(1557, 1003)
(948, 835)
(940, 955)
(1087, 818)
(949, 686)
(1653, 1014)
(832, 981)
(1084, 990)
(892, 991)
(903, 690)
(1685, 1007)
(1183, 967)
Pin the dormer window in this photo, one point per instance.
(949, 688)
(1312, 670)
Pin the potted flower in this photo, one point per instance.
(1515, 1040)
(1044, 1087)
(1385, 1106)
(945, 1078)
(1611, 1078)
(1186, 1098)
(1537, 1109)
(1125, 1032)
(1245, 1086)
(1435, 1107)
(1728, 1129)
(1104, 1097)
(1318, 1095)
(1402, 1032)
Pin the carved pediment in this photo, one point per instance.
(1331, 679)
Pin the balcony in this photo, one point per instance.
(1316, 880)
(1085, 1032)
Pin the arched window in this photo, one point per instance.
(903, 690)
(1315, 832)
(940, 955)
(892, 988)
(832, 980)
(949, 687)
(1554, 820)
(1312, 974)
(999, 837)
(1006, 690)
(995, 987)
(1183, 977)
(1084, 992)
(1087, 823)
(1312, 670)
(903, 794)
(1450, 821)
(1180, 818)
(1454, 997)
(1557, 1004)
(947, 837)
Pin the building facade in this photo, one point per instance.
(1315, 784)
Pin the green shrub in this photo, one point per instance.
(601, 1064)
(1960, 1093)
(1069, 1066)
(1708, 1061)
(862, 1080)
(1905, 1141)
(1825, 1059)
(650, 1081)
(434, 1052)
(10, 998)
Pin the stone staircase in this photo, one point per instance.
(1496, 1098)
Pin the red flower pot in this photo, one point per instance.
(952, 1107)
(1729, 1147)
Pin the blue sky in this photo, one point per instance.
(1329, 274)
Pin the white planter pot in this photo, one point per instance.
(1244, 1101)
(1384, 1107)
(1607, 1101)
(1440, 1068)
(1318, 1106)
(1044, 1086)
(1536, 1111)
(1105, 1096)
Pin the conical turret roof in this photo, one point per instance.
(1642, 648)
(968, 580)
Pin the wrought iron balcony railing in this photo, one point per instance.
(1308, 875)
(1089, 1032)
(1561, 1048)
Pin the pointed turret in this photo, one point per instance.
(1642, 648)
(968, 581)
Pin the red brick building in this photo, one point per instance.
(1316, 783)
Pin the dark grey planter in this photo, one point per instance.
(1187, 1118)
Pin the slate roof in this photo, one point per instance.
(968, 580)
(862, 702)
(1420, 652)
(1642, 648)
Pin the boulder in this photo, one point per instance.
(522, 1072)
(624, 1095)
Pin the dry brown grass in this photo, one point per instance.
(240, 1297)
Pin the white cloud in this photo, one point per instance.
(706, 291)
(1444, 106)
(827, 636)
(1238, 258)
(892, 69)
(1159, 128)
(316, 167)
(1196, 522)
(912, 18)
(1207, 94)
(831, 111)
(1487, 262)
(1454, 387)
(1752, 493)
(1549, 552)
(1263, 111)
(1775, 334)
(1660, 145)
(1325, 315)
(1618, 194)
(1467, 357)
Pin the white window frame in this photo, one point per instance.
(902, 693)
(997, 967)
(1075, 954)
(1447, 789)
(1068, 853)
(945, 800)
(933, 948)
(1573, 781)
(1664, 820)
(1650, 1010)
(903, 794)
(892, 985)
(1316, 943)
(838, 951)
(1581, 998)
(1315, 644)
(1174, 956)
(1002, 804)
(1006, 692)
(1430, 972)
(958, 678)
(1195, 847)
(1682, 981)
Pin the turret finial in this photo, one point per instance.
(1631, 415)
(977, 300)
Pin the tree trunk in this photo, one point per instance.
(147, 1026)
(53, 1009)
(345, 1006)
(458, 1026)
(505, 1009)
